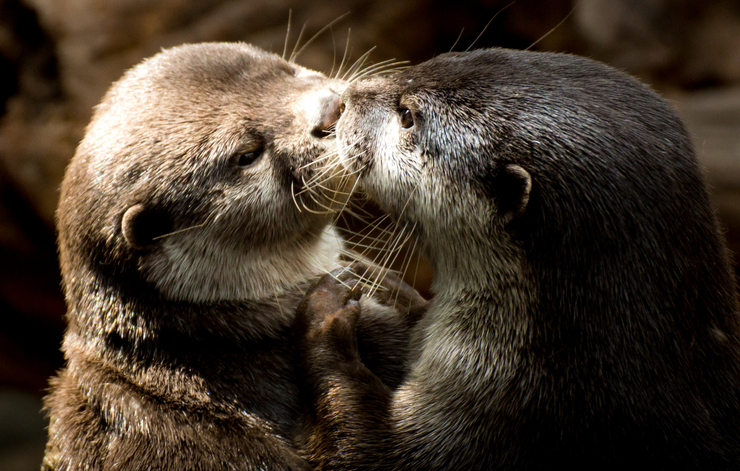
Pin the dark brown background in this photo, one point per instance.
(57, 58)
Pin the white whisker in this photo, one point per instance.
(287, 34)
(384, 67)
(295, 55)
(357, 64)
(179, 231)
(298, 41)
(344, 56)
(292, 192)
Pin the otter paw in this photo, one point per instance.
(387, 288)
(327, 315)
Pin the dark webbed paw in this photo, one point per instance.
(326, 317)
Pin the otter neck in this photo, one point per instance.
(479, 265)
(485, 282)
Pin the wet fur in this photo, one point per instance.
(585, 314)
(182, 268)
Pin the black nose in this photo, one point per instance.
(330, 111)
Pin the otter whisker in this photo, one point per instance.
(292, 193)
(327, 174)
(356, 212)
(377, 226)
(403, 210)
(553, 28)
(328, 169)
(342, 213)
(379, 243)
(361, 279)
(488, 24)
(365, 218)
(280, 307)
(344, 207)
(457, 40)
(287, 34)
(379, 65)
(334, 191)
(358, 63)
(332, 157)
(382, 235)
(295, 55)
(179, 231)
(338, 280)
(347, 174)
(372, 245)
(312, 194)
(373, 250)
(384, 67)
(314, 211)
(395, 250)
(344, 56)
(326, 156)
(332, 195)
(298, 41)
(307, 187)
(406, 262)
(321, 213)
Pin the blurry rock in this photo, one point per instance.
(22, 437)
(681, 43)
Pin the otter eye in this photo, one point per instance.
(407, 119)
(247, 159)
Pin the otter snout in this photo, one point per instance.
(329, 111)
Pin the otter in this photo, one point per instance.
(192, 218)
(585, 314)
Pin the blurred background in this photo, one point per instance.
(57, 58)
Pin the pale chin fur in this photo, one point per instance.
(412, 192)
(193, 272)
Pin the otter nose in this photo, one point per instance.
(329, 112)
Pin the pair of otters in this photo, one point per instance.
(585, 313)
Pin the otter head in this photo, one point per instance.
(199, 177)
(560, 161)
(430, 147)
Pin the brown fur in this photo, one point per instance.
(184, 253)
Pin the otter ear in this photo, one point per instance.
(512, 186)
(141, 226)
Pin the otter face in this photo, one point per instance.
(427, 147)
(204, 170)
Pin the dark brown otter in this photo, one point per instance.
(192, 218)
(585, 315)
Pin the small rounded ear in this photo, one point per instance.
(141, 227)
(512, 187)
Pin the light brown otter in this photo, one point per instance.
(192, 218)
(585, 314)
